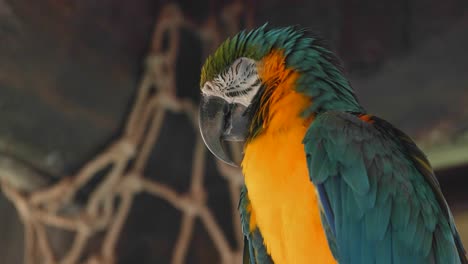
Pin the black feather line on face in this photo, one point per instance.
(238, 92)
(254, 115)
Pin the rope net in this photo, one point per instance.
(109, 203)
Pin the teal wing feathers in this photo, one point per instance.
(254, 248)
(330, 236)
(381, 201)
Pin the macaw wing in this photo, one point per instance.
(379, 197)
(246, 253)
(330, 236)
(254, 249)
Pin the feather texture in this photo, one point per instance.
(385, 202)
(254, 248)
(380, 201)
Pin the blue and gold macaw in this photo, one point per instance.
(325, 182)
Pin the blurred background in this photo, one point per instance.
(100, 156)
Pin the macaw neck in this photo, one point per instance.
(279, 106)
(292, 93)
(284, 204)
(286, 113)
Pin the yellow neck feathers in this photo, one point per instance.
(284, 204)
(280, 104)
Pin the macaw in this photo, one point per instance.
(325, 182)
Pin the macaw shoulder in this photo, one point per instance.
(371, 133)
(372, 179)
(360, 127)
(350, 136)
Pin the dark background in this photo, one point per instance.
(69, 72)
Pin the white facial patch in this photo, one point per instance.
(237, 84)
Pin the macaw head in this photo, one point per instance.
(259, 74)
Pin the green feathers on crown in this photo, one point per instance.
(320, 71)
(244, 44)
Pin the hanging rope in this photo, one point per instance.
(156, 97)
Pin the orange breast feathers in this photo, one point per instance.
(283, 199)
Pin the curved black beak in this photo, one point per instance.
(221, 122)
